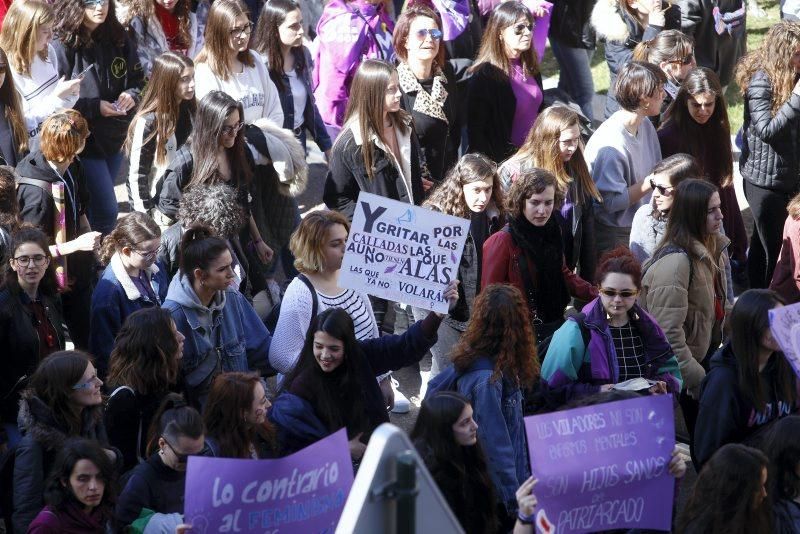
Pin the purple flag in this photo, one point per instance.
(604, 467)
(304, 492)
(455, 17)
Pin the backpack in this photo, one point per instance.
(543, 345)
(447, 380)
(272, 318)
(141, 456)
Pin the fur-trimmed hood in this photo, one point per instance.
(38, 420)
(286, 154)
(608, 21)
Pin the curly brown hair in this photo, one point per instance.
(69, 28)
(774, 57)
(530, 182)
(499, 328)
(448, 197)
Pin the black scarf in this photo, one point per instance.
(544, 249)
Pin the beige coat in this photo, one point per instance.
(686, 312)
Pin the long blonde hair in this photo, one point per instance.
(20, 31)
(774, 57)
(221, 19)
(541, 149)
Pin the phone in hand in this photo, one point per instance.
(83, 72)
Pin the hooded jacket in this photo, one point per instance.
(621, 34)
(151, 41)
(43, 438)
(576, 369)
(151, 485)
(227, 335)
(115, 297)
(725, 414)
(680, 293)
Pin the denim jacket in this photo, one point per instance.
(312, 121)
(497, 407)
(226, 336)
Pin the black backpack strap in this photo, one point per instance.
(666, 251)
(314, 303)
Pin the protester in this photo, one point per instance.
(624, 23)
(684, 285)
(89, 36)
(697, 124)
(529, 253)
(222, 331)
(13, 134)
(279, 38)
(159, 27)
(236, 418)
(730, 494)
(496, 357)
(786, 278)
(750, 383)
(143, 369)
(554, 144)
(770, 159)
(9, 211)
(650, 220)
(446, 437)
(429, 88)
(333, 384)
(505, 91)
(782, 448)
(80, 492)
(161, 126)
(30, 321)
(131, 281)
(156, 488)
(25, 37)
(623, 342)
(63, 401)
(377, 151)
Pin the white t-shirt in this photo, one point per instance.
(299, 97)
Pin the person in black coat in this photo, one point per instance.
(770, 157)
(377, 150)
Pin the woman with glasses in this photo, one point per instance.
(650, 220)
(226, 63)
(63, 401)
(614, 340)
(505, 91)
(30, 321)
(92, 45)
(697, 124)
(429, 87)
(684, 285)
(131, 281)
(623, 24)
(159, 484)
(160, 26)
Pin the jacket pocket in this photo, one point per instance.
(234, 357)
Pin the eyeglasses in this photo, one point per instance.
(181, 458)
(243, 30)
(94, 3)
(686, 60)
(435, 34)
(520, 28)
(612, 293)
(232, 129)
(89, 384)
(37, 259)
(662, 189)
(146, 255)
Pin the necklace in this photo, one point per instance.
(521, 71)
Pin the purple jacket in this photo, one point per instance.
(70, 520)
(347, 33)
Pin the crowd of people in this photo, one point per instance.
(600, 249)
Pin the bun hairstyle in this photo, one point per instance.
(63, 135)
(134, 228)
(620, 260)
(199, 247)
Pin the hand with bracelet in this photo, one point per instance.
(526, 507)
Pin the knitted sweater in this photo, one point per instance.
(646, 232)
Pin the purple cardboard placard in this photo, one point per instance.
(301, 493)
(784, 322)
(604, 467)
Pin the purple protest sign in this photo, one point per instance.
(603, 467)
(304, 492)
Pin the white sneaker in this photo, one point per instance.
(401, 403)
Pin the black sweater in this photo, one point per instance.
(151, 485)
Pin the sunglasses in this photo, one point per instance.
(435, 34)
(184, 458)
(686, 60)
(612, 293)
(520, 28)
(664, 190)
(94, 3)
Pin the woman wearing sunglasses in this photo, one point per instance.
(63, 401)
(505, 91)
(429, 87)
(650, 220)
(30, 321)
(684, 285)
(131, 281)
(697, 124)
(159, 484)
(624, 341)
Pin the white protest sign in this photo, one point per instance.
(402, 252)
(784, 322)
